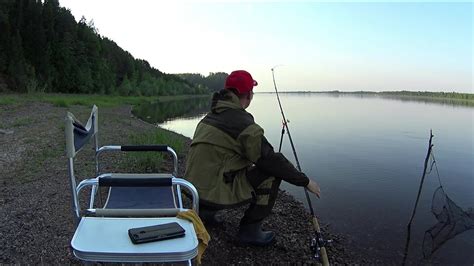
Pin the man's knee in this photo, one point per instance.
(267, 191)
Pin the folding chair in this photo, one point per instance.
(134, 200)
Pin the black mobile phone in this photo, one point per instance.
(155, 233)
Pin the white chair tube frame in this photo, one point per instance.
(95, 182)
(108, 148)
(119, 148)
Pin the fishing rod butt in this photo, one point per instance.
(324, 257)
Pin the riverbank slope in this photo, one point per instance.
(35, 212)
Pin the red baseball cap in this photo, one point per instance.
(240, 80)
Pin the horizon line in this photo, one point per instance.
(362, 91)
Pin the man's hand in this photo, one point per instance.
(313, 187)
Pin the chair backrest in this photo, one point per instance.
(77, 135)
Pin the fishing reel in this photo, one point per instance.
(316, 243)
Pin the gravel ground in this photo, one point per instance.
(35, 203)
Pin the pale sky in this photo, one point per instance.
(321, 46)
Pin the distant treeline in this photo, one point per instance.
(451, 95)
(43, 49)
(426, 94)
(214, 81)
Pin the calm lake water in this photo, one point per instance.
(367, 154)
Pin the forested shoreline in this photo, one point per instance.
(44, 49)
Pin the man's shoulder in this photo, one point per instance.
(231, 121)
(232, 116)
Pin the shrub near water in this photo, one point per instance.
(152, 161)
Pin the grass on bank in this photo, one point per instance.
(152, 161)
(7, 100)
(66, 100)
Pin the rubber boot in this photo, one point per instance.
(252, 234)
(210, 217)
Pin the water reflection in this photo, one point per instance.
(162, 111)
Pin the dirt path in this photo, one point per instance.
(35, 203)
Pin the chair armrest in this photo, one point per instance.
(112, 181)
(160, 148)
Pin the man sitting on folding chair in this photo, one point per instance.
(231, 163)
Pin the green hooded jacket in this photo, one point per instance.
(226, 143)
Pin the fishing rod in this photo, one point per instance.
(318, 244)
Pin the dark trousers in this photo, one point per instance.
(262, 202)
(266, 190)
